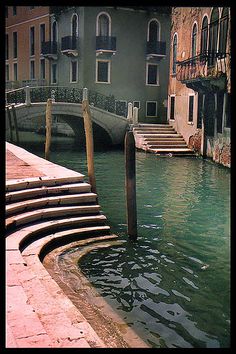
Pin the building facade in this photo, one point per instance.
(199, 86)
(27, 27)
(118, 52)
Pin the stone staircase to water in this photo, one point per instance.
(160, 139)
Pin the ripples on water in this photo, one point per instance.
(172, 286)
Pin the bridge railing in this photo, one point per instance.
(64, 94)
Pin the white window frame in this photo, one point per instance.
(157, 77)
(156, 20)
(138, 104)
(77, 27)
(194, 103)
(169, 115)
(109, 71)
(147, 109)
(97, 26)
(54, 64)
(32, 61)
(76, 80)
(41, 60)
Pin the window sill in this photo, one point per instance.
(190, 123)
(153, 85)
(101, 82)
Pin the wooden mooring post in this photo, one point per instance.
(48, 128)
(130, 184)
(89, 140)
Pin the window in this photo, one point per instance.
(152, 74)
(199, 110)
(220, 106)
(227, 110)
(174, 56)
(42, 69)
(213, 36)
(74, 71)
(32, 41)
(204, 35)
(172, 107)
(32, 70)
(194, 40)
(14, 11)
(6, 11)
(7, 48)
(42, 35)
(136, 104)
(54, 32)
(190, 108)
(15, 71)
(103, 25)
(151, 108)
(7, 73)
(54, 73)
(74, 30)
(153, 31)
(103, 71)
(223, 32)
(14, 44)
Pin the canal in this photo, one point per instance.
(173, 285)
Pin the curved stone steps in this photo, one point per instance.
(32, 182)
(49, 213)
(30, 204)
(44, 191)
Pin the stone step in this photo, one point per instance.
(44, 191)
(166, 146)
(144, 125)
(153, 129)
(163, 140)
(157, 135)
(156, 131)
(172, 150)
(33, 182)
(31, 204)
(49, 213)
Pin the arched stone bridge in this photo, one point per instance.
(71, 112)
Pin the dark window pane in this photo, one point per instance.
(102, 71)
(73, 71)
(152, 74)
(151, 109)
(199, 112)
(220, 105)
(190, 109)
(172, 108)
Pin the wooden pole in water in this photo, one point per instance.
(10, 124)
(48, 128)
(15, 124)
(89, 140)
(130, 183)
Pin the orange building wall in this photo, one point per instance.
(21, 24)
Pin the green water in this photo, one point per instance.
(173, 285)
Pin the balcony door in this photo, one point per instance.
(153, 31)
(74, 30)
(103, 26)
(213, 36)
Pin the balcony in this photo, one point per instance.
(156, 50)
(69, 46)
(49, 50)
(105, 44)
(203, 70)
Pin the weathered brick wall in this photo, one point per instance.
(195, 141)
(222, 152)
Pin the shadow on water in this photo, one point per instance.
(172, 286)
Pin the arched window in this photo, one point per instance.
(174, 54)
(194, 40)
(213, 36)
(103, 25)
(153, 31)
(204, 35)
(74, 30)
(223, 32)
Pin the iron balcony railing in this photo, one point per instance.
(69, 43)
(203, 65)
(106, 43)
(156, 48)
(49, 48)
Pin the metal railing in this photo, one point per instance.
(203, 65)
(30, 95)
(49, 48)
(158, 48)
(69, 43)
(106, 43)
